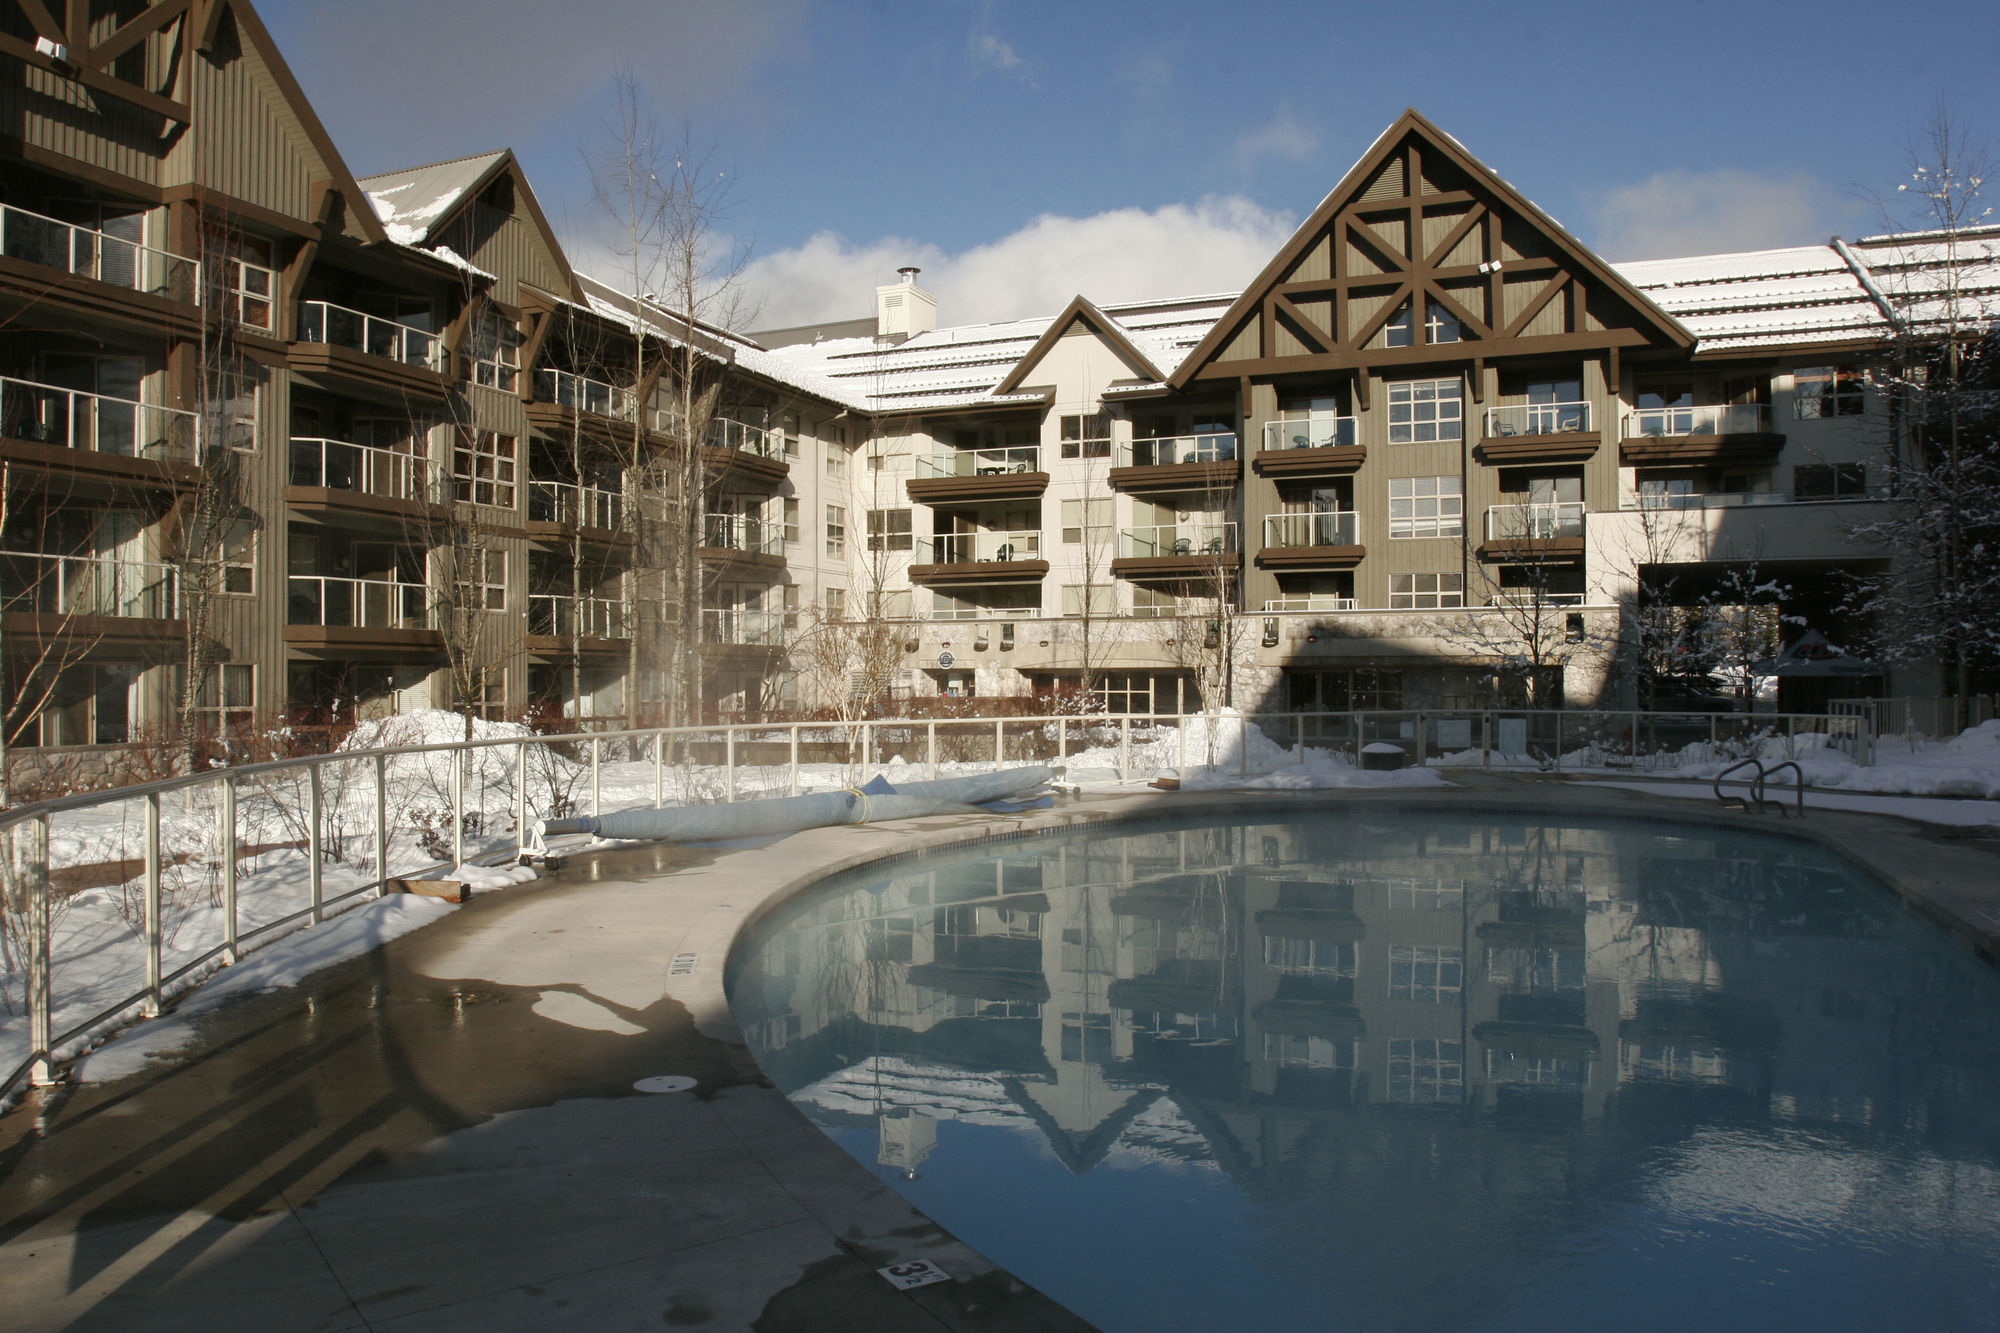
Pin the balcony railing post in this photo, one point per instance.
(792, 784)
(1062, 740)
(151, 1004)
(1243, 746)
(999, 744)
(1125, 748)
(596, 776)
(521, 798)
(660, 768)
(34, 871)
(729, 763)
(381, 767)
(457, 807)
(225, 833)
(314, 835)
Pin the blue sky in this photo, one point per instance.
(1024, 151)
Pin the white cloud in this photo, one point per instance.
(990, 52)
(1283, 136)
(1704, 212)
(1216, 244)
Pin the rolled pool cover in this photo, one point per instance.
(789, 814)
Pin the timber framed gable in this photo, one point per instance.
(1421, 256)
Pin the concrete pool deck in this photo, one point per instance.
(445, 1134)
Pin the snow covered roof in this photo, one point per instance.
(411, 201)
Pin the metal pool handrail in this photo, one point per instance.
(1756, 801)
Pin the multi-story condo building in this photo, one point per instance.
(280, 441)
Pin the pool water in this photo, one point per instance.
(1409, 1070)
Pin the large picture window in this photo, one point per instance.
(1426, 411)
(889, 530)
(1426, 592)
(1086, 436)
(1828, 391)
(496, 351)
(1426, 507)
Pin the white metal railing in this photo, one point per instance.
(356, 603)
(1719, 419)
(1171, 539)
(980, 462)
(73, 419)
(1172, 450)
(1319, 527)
(567, 502)
(1534, 522)
(1535, 597)
(1537, 419)
(1740, 499)
(89, 585)
(583, 617)
(1319, 431)
(89, 253)
(1309, 602)
(364, 468)
(372, 335)
(234, 857)
(742, 532)
(726, 433)
(966, 548)
(584, 394)
(743, 626)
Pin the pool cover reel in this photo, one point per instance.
(878, 800)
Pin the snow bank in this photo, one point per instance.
(1967, 766)
(426, 726)
(1321, 769)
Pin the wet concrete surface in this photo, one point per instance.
(402, 1143)
(444, 1134)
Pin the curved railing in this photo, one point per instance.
(116, 900)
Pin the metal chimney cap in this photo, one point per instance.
(909, 272)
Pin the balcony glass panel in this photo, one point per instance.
(966, 548)
(1320, 431)
(584, 394)
(69, 418)
(356, 603)
(372, 335)
(1534, 522)
(1310, 602)
(1721, 419)
(582, 617)
(725, 433)
(739, 532)
(1319, 527)
(730, 625)
(566, 502)
(980, 462)
(1169, 451)
(1537, 419)
(1172, 539)
(88, 253)
(89, 585)
(339, 466)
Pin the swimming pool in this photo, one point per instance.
(1408, 1069)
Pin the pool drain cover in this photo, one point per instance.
(665, 1083)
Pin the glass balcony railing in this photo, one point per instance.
(1168, 451)
(738, 532)
(1309, 602)
(1171, 539)
(357, 603)
(1534, 522)
(88, 253)
(584, 394)
(1720, 419)
(1319, 527)
(567, 502)
(72, 419)
(89, 585)
(579, 617)
(1324, 431)
(363, 468)
(750, 628)
(1537, 419)
(725, 433)
(1534, 597)
(372, 335)
(968, 548)
(980, 462)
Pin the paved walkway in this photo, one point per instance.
(445, 1134)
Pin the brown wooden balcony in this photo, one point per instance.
(1177, 551)
(957, 558)
(1320, 539)
(1731, 435)
(1178, 464)
(972, 476)
(1310, 448)
(94, 276)
(347, 351)
(115, 441)
(1539, 433)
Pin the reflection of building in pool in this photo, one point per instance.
(1217, 995)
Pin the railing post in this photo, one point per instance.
(596, 776)
(1243, 745)
(41, 985)
(1062, 741)
(660, 768)
(930, 747)
(521, 798)
(1125, 748)
(728, 764)
(1180, 746)
(1559, 740)
(457, 805)
(225, 834)
(999, 744)
(381, 824)
(313, 836)
(152, 1000)
(794, 782)
(1423, 743)
(1486, 740)
(1299, 739)
(1632, 748)
(1791, 735)
(1711, 736)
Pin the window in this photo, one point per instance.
(249, 283)
(1425, 592)
(1103, 599)
(1086, 436)
(1829, 481)
(836, 531)
(1362, 689)
(1827, 391)
(791, 521)
(228, 698)
(489, 699)
(1329, 958)
(483, 585)
(496, 351)
(1086, 1038)
(1426, 411)
(232, 397)
(1426, 507)
(836, 603)
(791, 602)
(1295, 1051)
(889, 530)
(788, 429)
(239, 559)
(1426, 1069)
(1667, 493)
(1153, 603)
(836, 459)
(483, 467)
(890, 604)
(883, 453)
(1440, 325)
(1400, 331)
(1079, 514)
(1428, 975)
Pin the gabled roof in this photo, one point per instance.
(1081, 311)
(1356, 180)
(415, 204)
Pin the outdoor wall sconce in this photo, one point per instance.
(1270, 631)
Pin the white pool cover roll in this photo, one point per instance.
(789, 814)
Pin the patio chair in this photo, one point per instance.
(1183, 546)
(1005, 553)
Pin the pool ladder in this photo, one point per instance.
(1756, 802)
